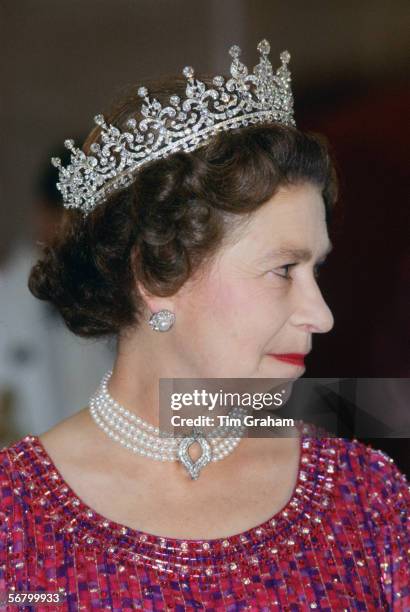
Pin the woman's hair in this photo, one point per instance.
(172, 220)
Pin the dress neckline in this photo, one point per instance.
(311, 496)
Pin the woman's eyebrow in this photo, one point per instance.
(294, 252)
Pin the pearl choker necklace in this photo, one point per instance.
(143, 438)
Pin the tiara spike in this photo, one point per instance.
(69, 144)
(142, 92)
(264, 47)
(285, 57)
(188, 72)
(99, 120)
(56, 161)
(244, 98)
(235, 51)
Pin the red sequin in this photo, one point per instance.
(341, 542)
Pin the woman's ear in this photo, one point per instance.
(154, 303)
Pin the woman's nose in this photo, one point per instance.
(312, 311)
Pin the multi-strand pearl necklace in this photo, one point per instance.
(143, 438)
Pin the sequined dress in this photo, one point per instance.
(340, 543)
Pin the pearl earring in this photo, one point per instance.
(162, 320)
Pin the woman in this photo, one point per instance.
(212, 237)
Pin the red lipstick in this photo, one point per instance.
(293, 358)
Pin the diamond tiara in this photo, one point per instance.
(185, 125)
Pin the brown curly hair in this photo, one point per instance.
(172, 220)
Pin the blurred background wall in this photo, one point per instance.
(62, 62)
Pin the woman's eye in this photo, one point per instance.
(286, 268)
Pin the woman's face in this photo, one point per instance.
(258, 298)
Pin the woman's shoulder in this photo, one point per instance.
(16, 471)
(23, 461)
(16, 460)
(363, 460)
(368, 477)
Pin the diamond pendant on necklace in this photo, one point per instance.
(192, 467)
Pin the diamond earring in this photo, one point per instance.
(162, 320)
